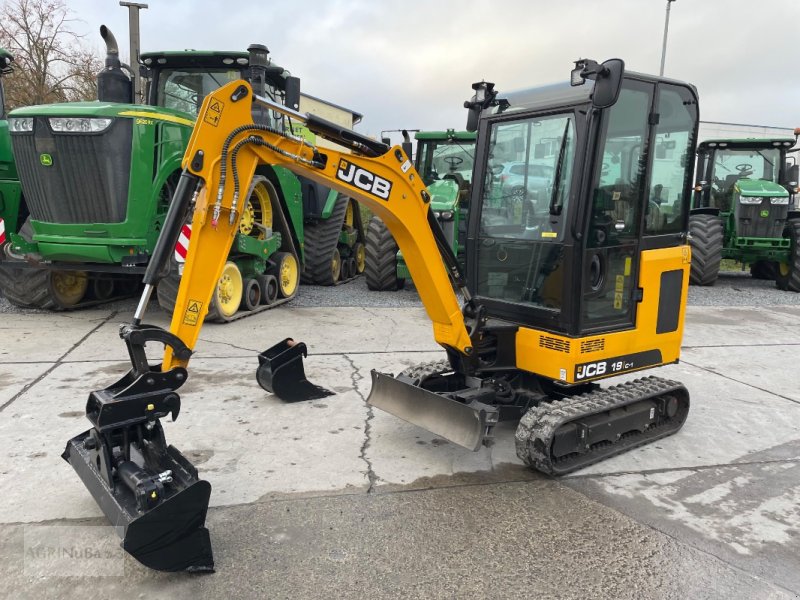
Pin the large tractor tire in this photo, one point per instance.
(380, 268)
(707, 236)
(323, 263)
(41, 288)
(788, 275)
(764, 269)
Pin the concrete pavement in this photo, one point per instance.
(331, 498)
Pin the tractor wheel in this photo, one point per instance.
(251, 297)
(381, 258)
(764, 269)
(360, 255)
(227, 295)
(40, 288)
(707, 236)
(788, 275)
(257, 219)
(287, 272)
(322, 261)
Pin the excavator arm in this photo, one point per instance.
(147, 488)
(224, 151)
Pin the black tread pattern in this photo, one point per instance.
(26, 287)
(764, 269)
(418, 373)
(791, 282)
(381, 257)
(536, 429)
(707, 234)
(321, 239)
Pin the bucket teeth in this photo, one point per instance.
(280, 372)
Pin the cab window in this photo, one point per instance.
(524, 204)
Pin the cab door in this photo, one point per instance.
(615, 215)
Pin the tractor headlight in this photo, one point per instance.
(750, 200)
(782, 201)
(446, 215)
(79, 124)
(20, 124)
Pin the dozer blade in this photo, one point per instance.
(161, 519)
(280, 372)
(455, 421)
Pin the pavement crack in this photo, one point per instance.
(750, 385)
(355, 378)
(58, 362)
(693, 469)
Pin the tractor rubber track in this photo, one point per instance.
(707, 237)
(321, 240)
(537, 428)
(167, 292)
(381, 266)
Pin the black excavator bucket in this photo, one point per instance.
(148, 490)
(159, 509)
(280, 372)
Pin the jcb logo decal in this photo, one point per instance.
(364, 180)
(590, 370)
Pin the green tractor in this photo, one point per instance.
(98, 178)
(744, 208)
(10, 188)
(444, 159)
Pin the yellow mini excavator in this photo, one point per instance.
(577, 270)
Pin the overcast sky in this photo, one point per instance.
(411, 63)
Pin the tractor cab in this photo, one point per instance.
(734, 174)
(181, 80)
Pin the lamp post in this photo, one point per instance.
(664, 46)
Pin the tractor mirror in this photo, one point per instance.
(387, 141)
(794, 175)
(292, 99)
(608, 83)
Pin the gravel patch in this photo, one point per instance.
(731, 289)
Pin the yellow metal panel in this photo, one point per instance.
(605, 355)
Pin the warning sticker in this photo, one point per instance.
(192, 314)
(214, 112)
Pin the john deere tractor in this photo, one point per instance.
(745, 208)
(444, 159)
(10, 188)
(98, 178)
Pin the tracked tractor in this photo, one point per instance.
(444, 160)
(591, 285)
(745, 209)
(99, 175)
(10, 188)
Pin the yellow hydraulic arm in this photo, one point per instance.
(224, 151)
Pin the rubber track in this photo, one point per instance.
(321, 240)
(537, 427)
(424, 370)
(381, 260)
(707, 237)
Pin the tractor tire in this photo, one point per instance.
(788, 274)
(321, 239)
(380, 269)
(707, 236)
(46, 289)
(764, 269)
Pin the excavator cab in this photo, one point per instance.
(569, 254)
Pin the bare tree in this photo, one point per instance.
(50, 62)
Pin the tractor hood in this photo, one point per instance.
(104, 109)
(759, 187)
